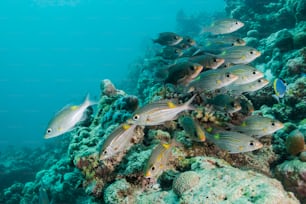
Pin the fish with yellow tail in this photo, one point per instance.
(159, 112)
(117, 141)
(192, 129)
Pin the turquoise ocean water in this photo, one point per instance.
(53, 52)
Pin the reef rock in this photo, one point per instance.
(292, 174)
(218, 182)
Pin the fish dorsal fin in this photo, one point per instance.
(171, 104)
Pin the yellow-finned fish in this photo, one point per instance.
(158, 160)
(245, 73)
(249, 87)
(117, 141)
(223, 26)
(66, 119)
(192, 128)
(239, 54)
(212, 80)
(234, 142)
(259, 126)
(157, 113)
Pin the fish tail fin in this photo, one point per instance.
(87, 102)
(188, 104)
(276, 97)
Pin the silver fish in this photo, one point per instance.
(249, 87)
(212, 80)
(223, 26)
(158, 160)
(66, 119)
(239, 54)
(117, 141)
(159, 112)
(245, 73)
(234, 142)
(259, 126)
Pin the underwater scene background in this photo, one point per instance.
(187, 101)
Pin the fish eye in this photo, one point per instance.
(232, 104)
(215, 59)
(49, 130)
(228, 75)
(233, 44)
(251, 52)
(236, 23)
(259, 80)
(105, 152)
(254, 72)
(251, 143)
(175, 37)
(153, 168)
(189, 40)
(136, 117)
(273, 123)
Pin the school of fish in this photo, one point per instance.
(214, 67)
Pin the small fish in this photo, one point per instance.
(168, 39)
(158, 160)
(192, 128)
(218, 44)
(223, 26)
(249, 87)
(159, 112)
(225, 102)
(212, 80)
(234, 142)
(170, 53)
(239, 54)
(183, 73)
(208, 61)
(259, 126)
(280, 88)
(246, 74)
(186, 43)
(43, 196)
(117, 141)
(66, 119)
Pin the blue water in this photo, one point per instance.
(54, 52)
